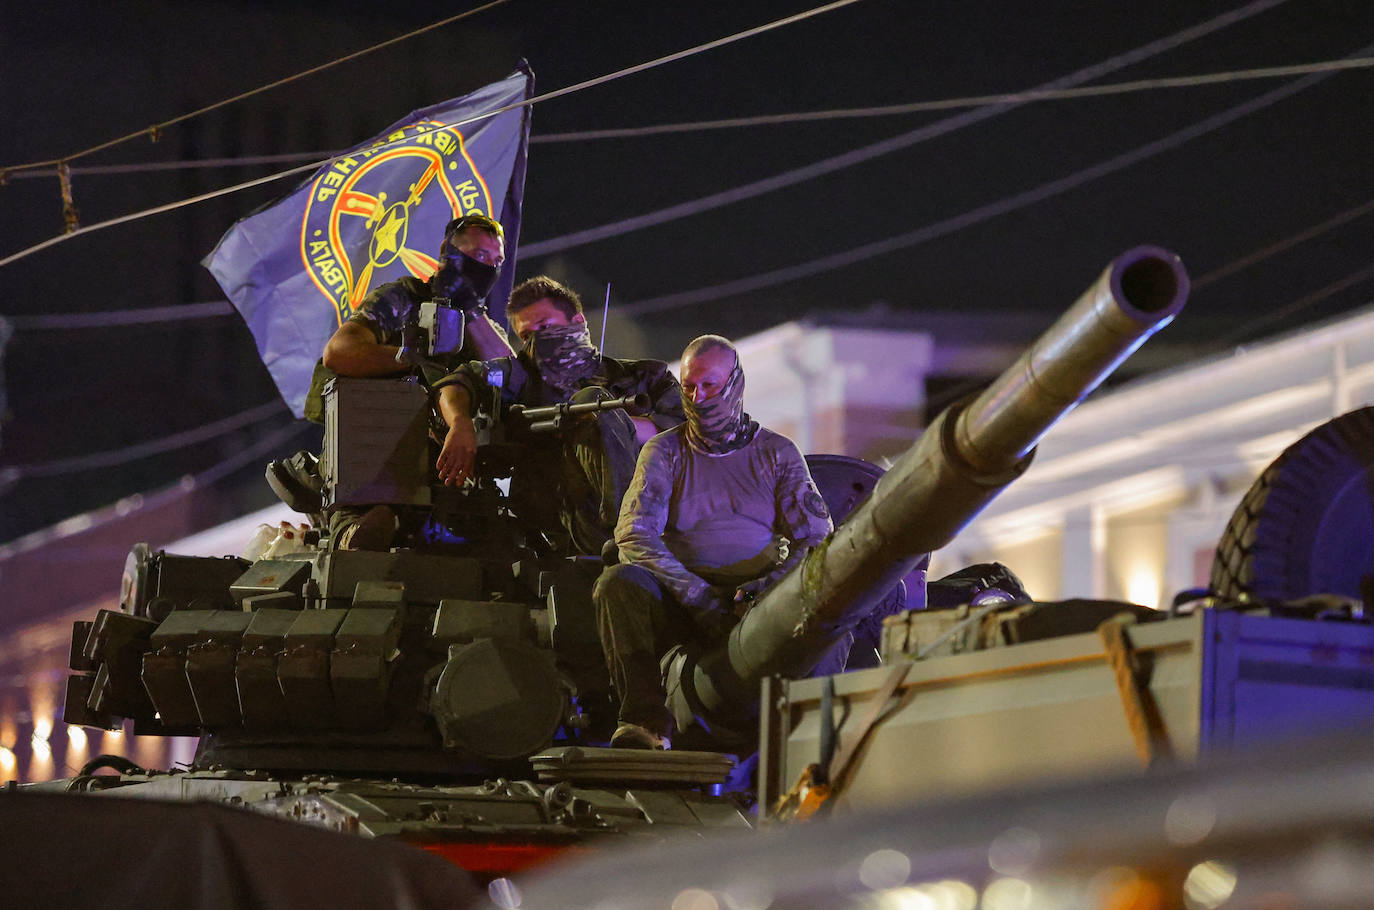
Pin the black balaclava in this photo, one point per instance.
(564, 355)
(462, 280)
(719, 424)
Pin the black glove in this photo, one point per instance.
(714, 611)
(715, 622)
(749, 592)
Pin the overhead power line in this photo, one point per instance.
(978, 215)
(154, 315)
(146, 167)
(857, 156)
(273, 442)
(914, 107)
(156, 129)
(557, 93)
(11, 473)
(695, 126)
(1255, 327)
(111, 318)
(1293, 240)
(212, 309)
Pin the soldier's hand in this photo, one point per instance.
(459, 452)
(747, 593)
(716, 622)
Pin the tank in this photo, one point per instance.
(453, 693)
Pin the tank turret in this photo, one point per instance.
(453, 692)
(969, 453)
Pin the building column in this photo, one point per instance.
(1083, 569)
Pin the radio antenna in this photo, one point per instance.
(605, 314)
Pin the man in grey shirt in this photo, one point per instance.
(719, 509)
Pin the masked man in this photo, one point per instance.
(719, 509)
(367, 345)
(470, 259)
(582, 473)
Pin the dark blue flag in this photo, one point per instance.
(296, 269)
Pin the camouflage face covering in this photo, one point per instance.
(565, 355)
(719, 425)
(464, 281)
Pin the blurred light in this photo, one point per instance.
(883, 869)
(750, 895)
(1208, 885)
(1108, 882)
(1007, 894)
(1136, 893)
(504, 894)
(695, 899)
(40, 761)
(74, 525)
(76, 754)
(952, 894)
(944, 895)
(903, 899)
(8, 763)
(42, 729)
(1014, 851)
(1189, 820)
(111, 742)
(1143, 587)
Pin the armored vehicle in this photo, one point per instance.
(453, 692)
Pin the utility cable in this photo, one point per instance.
(167, 495)
(1254, 326)
(1260, 255)
(156, 210)
(109, 318)
(557, 93)
(156, 129)
(151, 315)
(975, 216)
(1029, 96)
(144, 167)
(11, 473)
(890, 110)
(948, 396)
(887, 146)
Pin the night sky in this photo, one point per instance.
(1014, 211)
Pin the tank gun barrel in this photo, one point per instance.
(970, 452)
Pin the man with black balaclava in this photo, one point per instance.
(571, 483)
(718, 510)
(470, 258)
(367, 343)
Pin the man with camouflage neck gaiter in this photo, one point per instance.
(571, 483)
(718, 510)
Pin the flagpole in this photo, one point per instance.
(605, 314)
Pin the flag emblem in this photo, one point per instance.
(297, 268)
(356, 226)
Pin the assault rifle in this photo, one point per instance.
(550, 419)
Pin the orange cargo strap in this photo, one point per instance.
(1142, 714)
(812, 790)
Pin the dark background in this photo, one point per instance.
(74, 74)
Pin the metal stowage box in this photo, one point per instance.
(1026, 713)
(385, 458)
